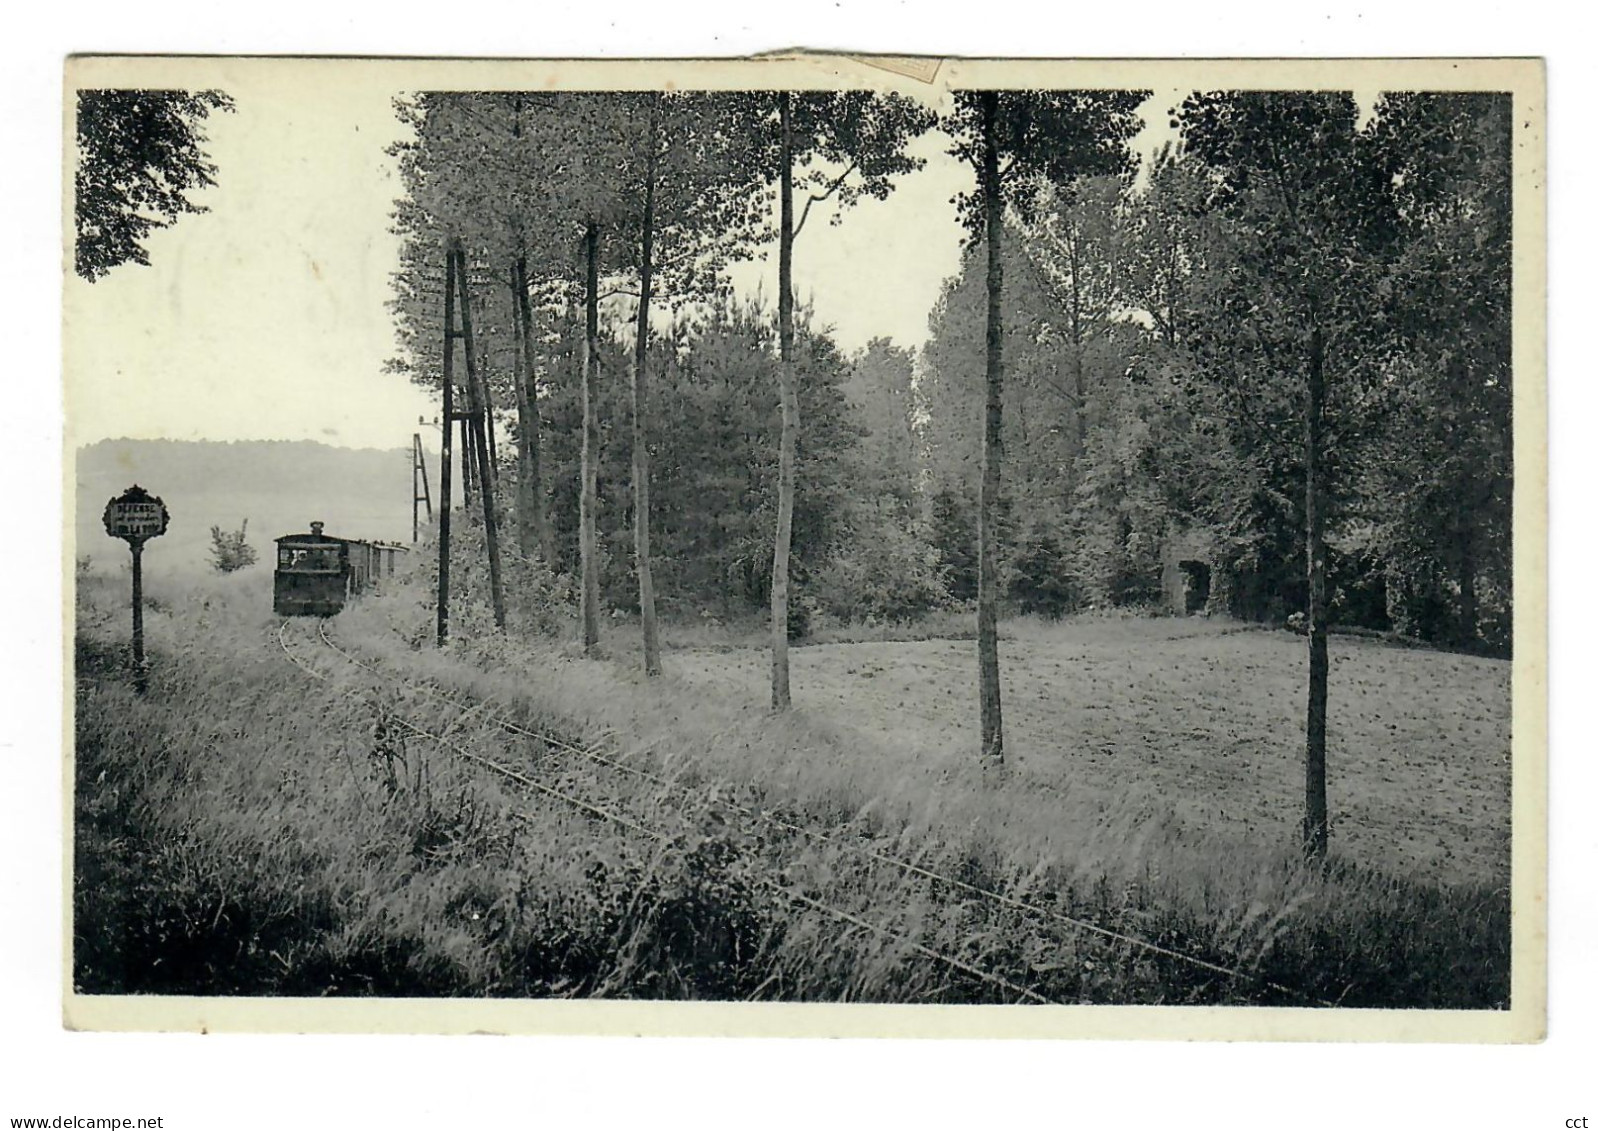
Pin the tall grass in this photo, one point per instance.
(248, 830)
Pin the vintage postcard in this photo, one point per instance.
(807, 545)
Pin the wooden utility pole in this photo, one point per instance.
(419, 491)
(477, 399)
(447, 433)
(468, 460)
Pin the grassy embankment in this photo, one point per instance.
(248, 830)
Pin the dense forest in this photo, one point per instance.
(1159, 323)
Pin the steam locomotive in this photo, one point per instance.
(317, 574)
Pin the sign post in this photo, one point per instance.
(136, 516)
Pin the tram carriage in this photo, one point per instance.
(317, 573)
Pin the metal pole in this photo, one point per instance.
(421, 463)
(419, 491)
(140, 675)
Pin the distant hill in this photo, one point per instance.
(281, 486)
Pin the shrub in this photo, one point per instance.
(887, 570)
(800, 609)
(537, 599)
(1041, 582)
(954, 536)
(229, 550)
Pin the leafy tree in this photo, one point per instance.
(1436, 489)
(886, 569)
(1040, 407)
(140, 153)
(530, 206)
(882, 398)
(1074, 422)
(714, 460)
(954, 538)
(1018, 142)
(1077, 243)
(647, 185)
(1313, 219)
(1135, 468)
(692, 200)
(844, 144)
(456, 170)
(229, 550)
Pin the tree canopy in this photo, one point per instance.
(140, 154)
(1156, 327)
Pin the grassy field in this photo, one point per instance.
(248, 830)
(1206, 715)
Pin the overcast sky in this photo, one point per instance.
(265, 317)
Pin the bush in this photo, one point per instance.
(229, 550)
(954, 536)
(1041, 582)
(800, 610)
(537, 599)
(887, 571)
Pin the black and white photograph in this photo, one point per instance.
(559, 547)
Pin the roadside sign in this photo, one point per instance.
(136, 516)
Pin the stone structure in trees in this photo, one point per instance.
(1191, 577)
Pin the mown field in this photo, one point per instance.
(1206, 715)
(249, 830)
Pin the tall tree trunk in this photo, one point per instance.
(532, 477)
(1468, 615)
(646, 584)
(532, 514)
(992, 452)
(526, 526)
(1316, 827)
(1080, 386)
(790, 424)
(588, 540)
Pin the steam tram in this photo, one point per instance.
(317, 573)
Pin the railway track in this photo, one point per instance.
(786, 892)
(615, 813)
